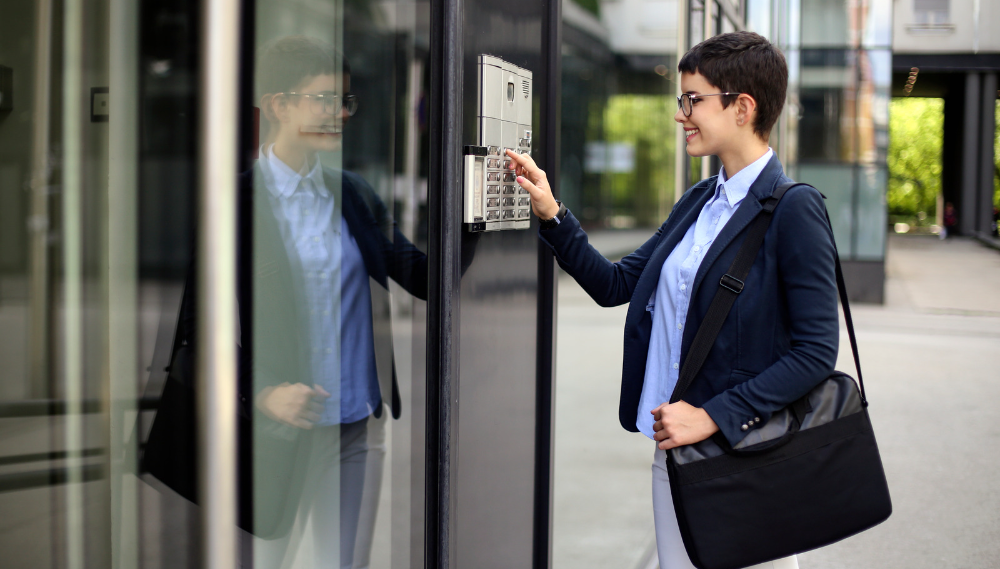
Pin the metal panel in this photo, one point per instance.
(494, 516)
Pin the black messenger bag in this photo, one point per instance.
(810, 476)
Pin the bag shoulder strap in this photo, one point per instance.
(731, 285)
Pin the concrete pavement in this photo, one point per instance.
(931, 360)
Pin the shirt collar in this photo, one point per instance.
(738, 186)
(283, 181)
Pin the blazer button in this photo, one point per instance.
(756, 419)
(744, 427)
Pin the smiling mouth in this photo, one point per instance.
(689, 133)
(322, 129)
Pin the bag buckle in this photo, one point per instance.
(732, 283)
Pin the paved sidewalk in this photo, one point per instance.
(932, 364)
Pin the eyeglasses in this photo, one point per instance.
(329, 103)
(686, 102)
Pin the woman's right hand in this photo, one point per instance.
(296, 404)
(532, 178)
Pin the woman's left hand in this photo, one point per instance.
(678, 424)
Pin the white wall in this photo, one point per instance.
(958, 36)
(641, 26)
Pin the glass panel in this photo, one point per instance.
(871, 210)
(333, 473)
(617, 171)
(836, 182)
(53, 288)
(329, 283)
(827, 98)
(617, 136)
(759, 17)
(878, 24)
(825, 23)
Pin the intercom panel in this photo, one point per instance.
(493, 198)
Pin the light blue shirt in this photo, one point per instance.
(337, 292)
(669, 306)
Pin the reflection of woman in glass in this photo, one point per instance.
(780, 338)
(331, 235)
(316, 248)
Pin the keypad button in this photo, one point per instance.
(494, 189)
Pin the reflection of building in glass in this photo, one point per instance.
(617, 160)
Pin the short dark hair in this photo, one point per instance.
(743, 62)
(284, 63)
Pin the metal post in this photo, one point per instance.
(681, 159)
(987, 124)
(72, 240)
(709, 31)
(38, 225)
(547, 287)
(970, 155)
(122, 277)
(444, 251)
(216, 309)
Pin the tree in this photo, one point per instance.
(916, 135)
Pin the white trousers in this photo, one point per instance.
(669, 546)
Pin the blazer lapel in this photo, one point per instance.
(762, 187)
(646, 286)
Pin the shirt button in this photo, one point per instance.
(307, 211)
(696, 248)
(684, 286)
(680, 326)
(322, 275)
(676, 366)
(316, 239)
(326, 313)
(328, 350)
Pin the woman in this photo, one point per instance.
(780, 338)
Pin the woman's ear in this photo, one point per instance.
(274, 107)
(745, 108)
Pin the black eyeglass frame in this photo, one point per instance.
(331, 103)
(692, 99)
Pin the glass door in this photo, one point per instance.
(102, 232)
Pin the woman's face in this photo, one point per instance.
(306, 123)
(710, 128)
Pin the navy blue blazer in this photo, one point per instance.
(780, 338)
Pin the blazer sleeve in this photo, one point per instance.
(609, 284)
(403, 262)
(806, 265)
